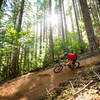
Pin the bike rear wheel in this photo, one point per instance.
(77, 64)
(58, 68)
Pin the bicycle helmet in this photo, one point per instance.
(65, 53)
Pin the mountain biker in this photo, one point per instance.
(71, 58)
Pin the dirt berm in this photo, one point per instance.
(32, 85)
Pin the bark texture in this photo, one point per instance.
(88, 24)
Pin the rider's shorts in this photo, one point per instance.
(73, 61)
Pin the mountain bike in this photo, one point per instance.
(58, 67)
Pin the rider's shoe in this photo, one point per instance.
(73, 66)
(67, 64)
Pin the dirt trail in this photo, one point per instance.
(32, 85)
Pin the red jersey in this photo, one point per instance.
(71, 56)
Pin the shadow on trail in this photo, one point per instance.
(33, 85)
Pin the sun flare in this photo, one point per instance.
(54, 20)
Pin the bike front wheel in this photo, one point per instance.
(58, 68)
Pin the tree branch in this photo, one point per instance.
(48, 92)
(83, 87)
(96, 74)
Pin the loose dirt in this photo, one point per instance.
(31, 86)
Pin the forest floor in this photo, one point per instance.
(83, 86)
(32, 85)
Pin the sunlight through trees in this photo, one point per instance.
(33, 33)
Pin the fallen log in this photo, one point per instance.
(72, 86)
(83, 88)
(48, 92)
(96, 74)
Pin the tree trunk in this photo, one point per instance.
(44, 26)
(46, 29)
(79, 9)
(21, 59)
(50, 35)
(41, 38)
(32, 52)
(77, 24)
(95, 11)
(28, 59)
(71, 17)
(15, 65)
(9, 65)
(15, 19)
(59, 26)
(1, 56)
(99, 2)
(20, 16)
(98, 7)
(1, 1)
(36, 41)
(15, 12)
(66, 31)
(61, 18)
(92, 10)
(88, 24)
(25, 56)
